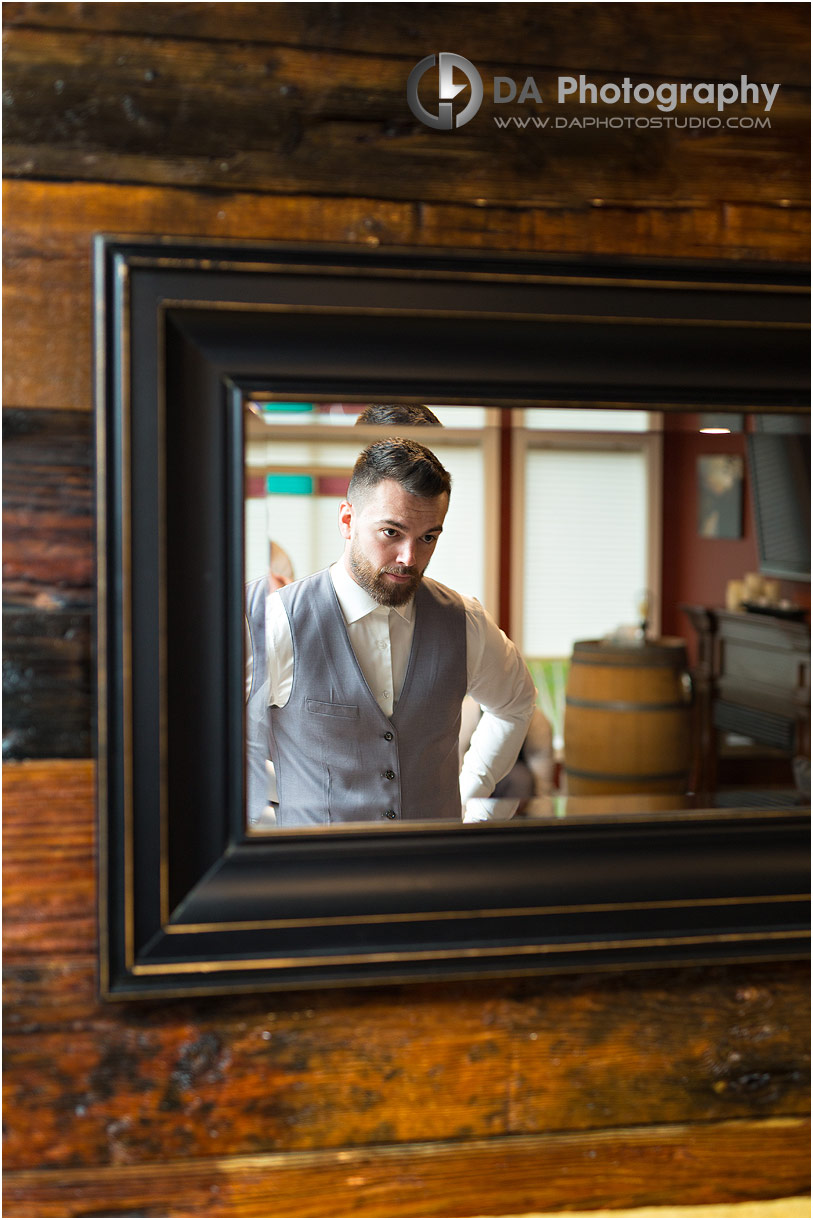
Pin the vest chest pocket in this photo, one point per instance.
(333, 731)
(345, 711)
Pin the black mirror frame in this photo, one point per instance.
(191, 904)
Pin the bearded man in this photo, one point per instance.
(368, 663)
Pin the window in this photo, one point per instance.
(584, 569)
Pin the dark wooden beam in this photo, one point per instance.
(236, 115)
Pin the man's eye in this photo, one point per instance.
(390, 533)
(430, 538)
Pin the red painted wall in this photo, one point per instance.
(696, 569)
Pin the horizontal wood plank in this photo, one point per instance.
(48, 583)
(47, 683)
(704, 1163)
(677, 39)
(48, 510)
(49, 864)
(49, 227)
(291, 119)
(183, 1081)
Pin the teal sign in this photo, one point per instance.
(288, 485)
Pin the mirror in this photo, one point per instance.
(191, 902)
(590, 485)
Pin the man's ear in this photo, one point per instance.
(345, 518)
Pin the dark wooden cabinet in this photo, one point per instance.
(752, 679)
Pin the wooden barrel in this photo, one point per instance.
(628, 717)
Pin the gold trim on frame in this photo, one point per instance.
(495, 913)
(336, 271)
(484, 315)
(349, 959)
(123, 271)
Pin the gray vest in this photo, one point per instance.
(337, 757)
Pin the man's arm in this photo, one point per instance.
(258, 749)
(499, 680)
(278, 663)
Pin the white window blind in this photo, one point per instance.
(459, 558)
(585, 546)
(575, 419)
(257, 548)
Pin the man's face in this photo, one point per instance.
(389, 540)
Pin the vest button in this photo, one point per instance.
(388, 736)
(388, 774)
(389, 813)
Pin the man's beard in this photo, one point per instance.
(373, 580)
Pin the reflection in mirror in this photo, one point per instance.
(626, 577)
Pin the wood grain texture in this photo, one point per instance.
(627, 1167)
(49, 864)
(48, 510)
(49, 228)
(150, 1084)
(48, 584)
(286, 119)
(682, 40)
(188, 1079)
(47, 684)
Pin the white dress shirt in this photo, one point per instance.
(381, 638)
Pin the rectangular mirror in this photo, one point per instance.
(585, 484)
(199, 347)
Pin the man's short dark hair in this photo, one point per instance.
(408, 463)
(403, 413)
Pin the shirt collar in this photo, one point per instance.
(356, 602)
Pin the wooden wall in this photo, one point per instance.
(288, 121)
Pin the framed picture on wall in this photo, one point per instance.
(719, 496)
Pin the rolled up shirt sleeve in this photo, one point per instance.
(498, 679)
